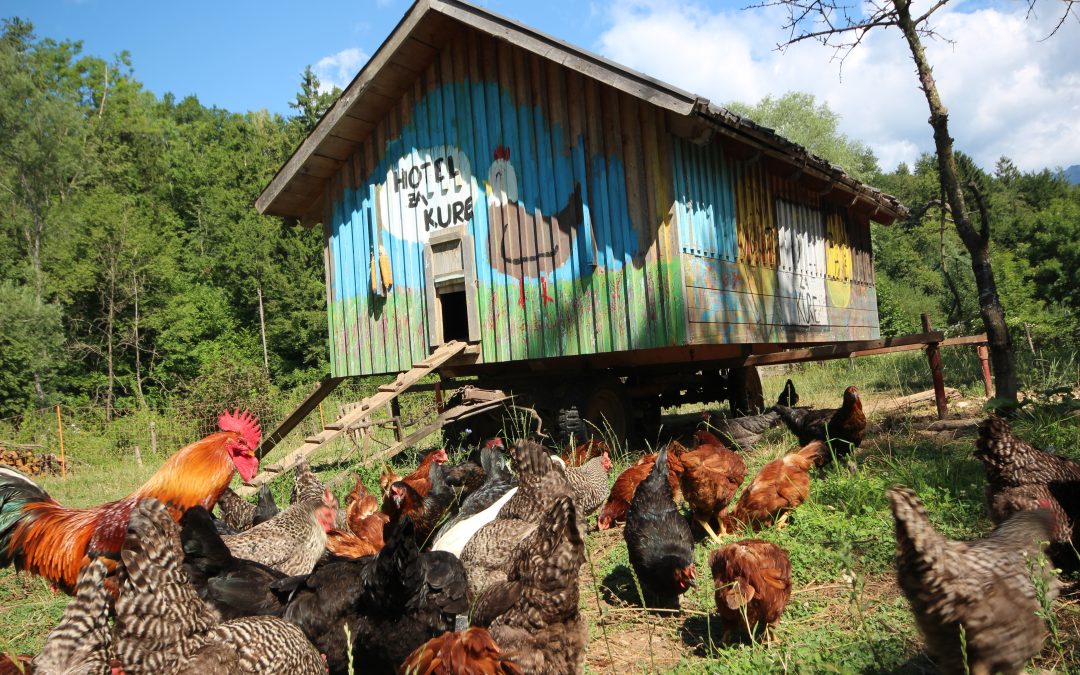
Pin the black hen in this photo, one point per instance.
(233, 586)
(392, 603)
(500, 480)
(659, 540)
(841, 428)
(266, 509)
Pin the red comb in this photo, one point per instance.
(245, 424)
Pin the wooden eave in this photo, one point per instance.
(296, 191)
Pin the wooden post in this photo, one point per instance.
(439, 404)
(138, 455)
(395, 415)
(933, 355)
(153, 441)
(60, 430)
(984, 361)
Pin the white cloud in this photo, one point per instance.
(1007, 92)
(338, 70)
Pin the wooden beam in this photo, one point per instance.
(843, 350)
(965, 340)
(289, 423)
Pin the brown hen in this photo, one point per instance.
(710, 479)
(753, 585)
(420, 479)
(472, 651)
(777, 489)
(974, 601)
(359, 504)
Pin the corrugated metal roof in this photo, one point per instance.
(295, 190)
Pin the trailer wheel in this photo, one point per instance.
(745, 394)
(569, 423)
(607, 411)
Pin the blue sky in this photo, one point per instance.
(1009, 92)
(246, 55)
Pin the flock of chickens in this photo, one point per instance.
(474, 568)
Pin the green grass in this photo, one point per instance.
(846, 614)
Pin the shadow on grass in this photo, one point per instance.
(703, 635)
(916, 665)
(618, 587)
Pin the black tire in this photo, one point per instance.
(569, 424)
(608, 413)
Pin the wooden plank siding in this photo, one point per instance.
(594, 227)
(765, 260)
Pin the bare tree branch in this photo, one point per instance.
(1070, 8)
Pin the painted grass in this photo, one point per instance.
(846, 613)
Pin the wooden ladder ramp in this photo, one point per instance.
(371, 404)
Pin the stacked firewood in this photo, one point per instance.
(27, 462)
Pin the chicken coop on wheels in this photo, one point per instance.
(595, 241)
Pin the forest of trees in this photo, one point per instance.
(133, 262)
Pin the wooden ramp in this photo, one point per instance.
(369, 405)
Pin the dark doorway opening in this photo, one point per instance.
(455, 316)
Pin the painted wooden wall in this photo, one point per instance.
(594, 228)
(766, 260)
(564, 185)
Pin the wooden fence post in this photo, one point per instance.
(933, 355)
(153, 440)
(60, 430)
(984, 361)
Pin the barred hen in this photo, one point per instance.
(977, 594)
(163, 627)
(488, 552)
(81, 644)
(533, 614)
(841, 428)
(306, 485)
(589, 483)
(235, 511)
(1019, 476)
(659, 540)
(747, 430)
(777, 489)
(472, 651)
(753, 585)
(290, 542)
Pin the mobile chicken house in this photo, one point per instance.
(599, 239)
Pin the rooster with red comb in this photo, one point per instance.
(39, 535)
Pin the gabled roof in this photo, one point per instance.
(296, 189)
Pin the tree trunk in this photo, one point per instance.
(135, 335)
(977, 243)
(262, 332)
(109, 321)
